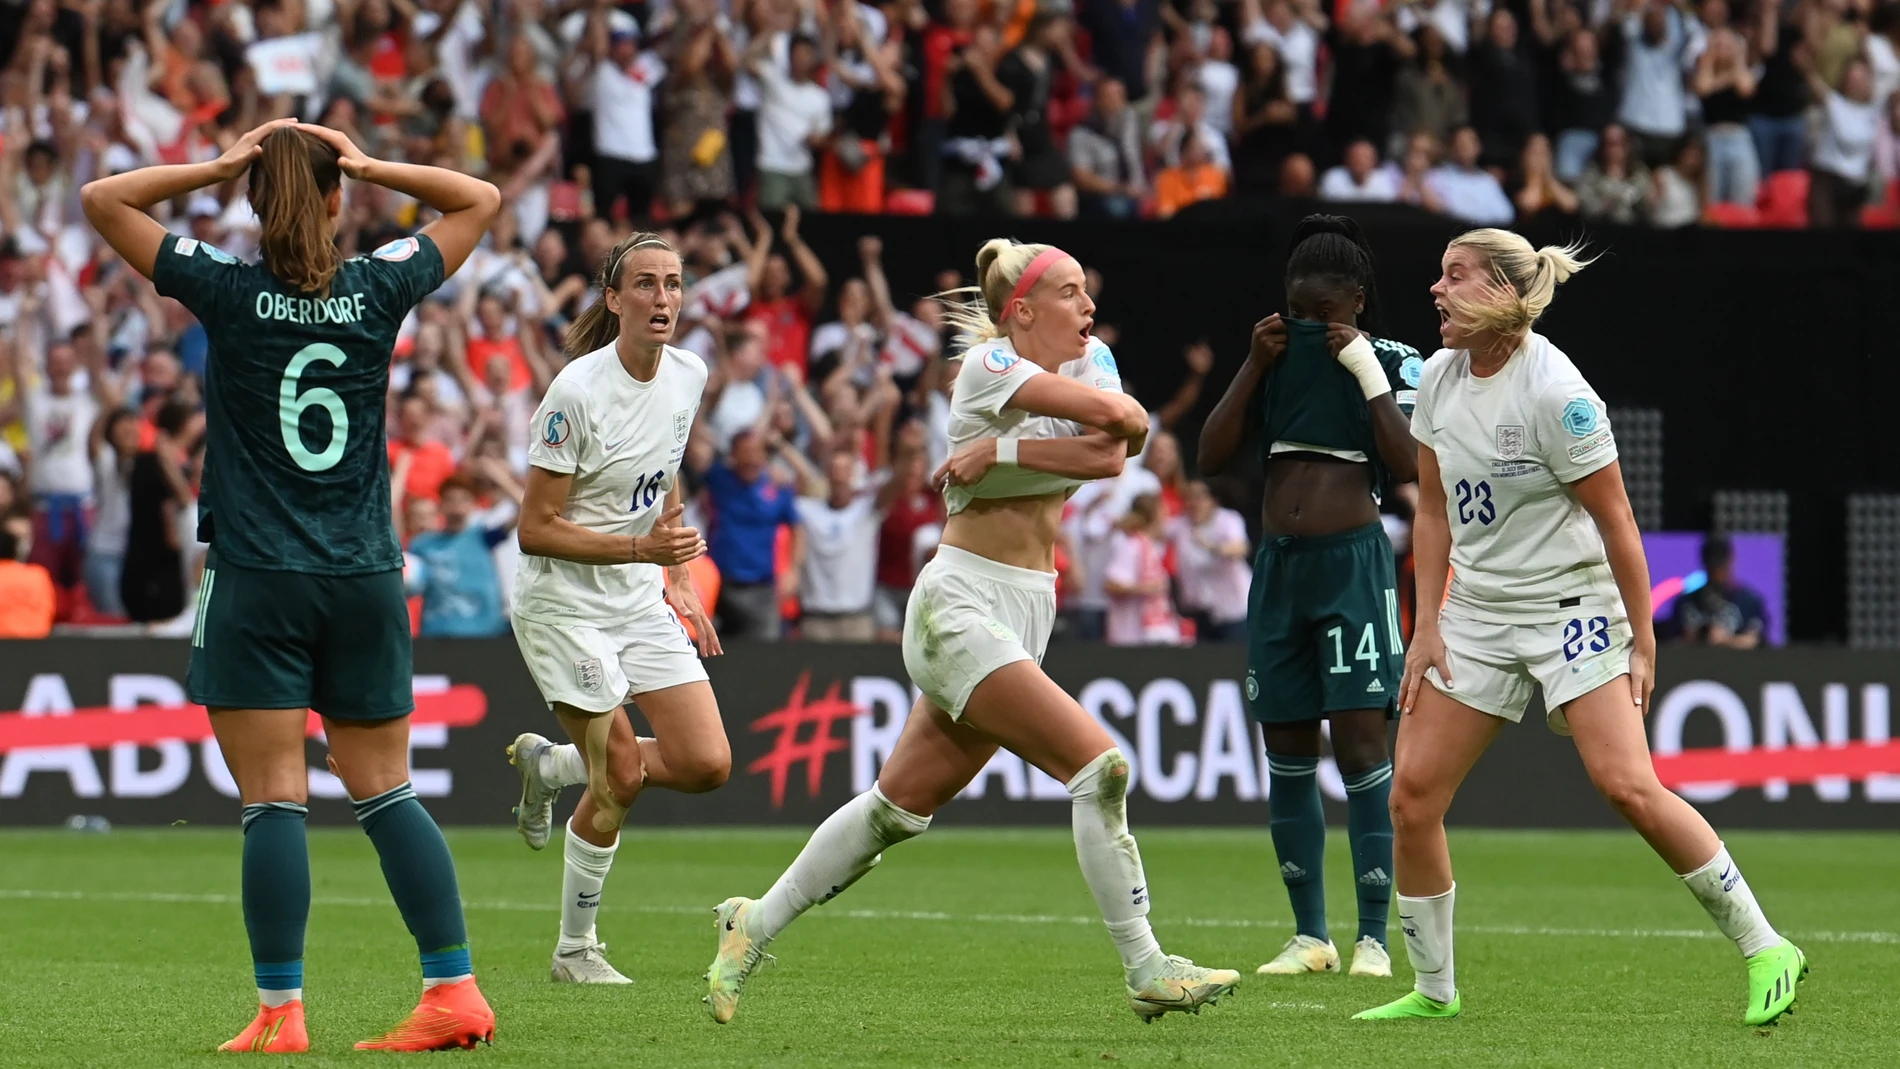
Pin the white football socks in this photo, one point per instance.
(1720, 888)
(274, 999)
(845, 847)
(582, 877)
(562, 766)
(1111, 863)
(1427, 926)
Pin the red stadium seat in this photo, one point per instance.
(1784, 199)
(1738, 216)
(910, 202)
(1886, 215)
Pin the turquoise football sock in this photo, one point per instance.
(1369, 829)
(1299, 838)
(421, 877)
(276, 896)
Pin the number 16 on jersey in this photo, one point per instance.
(647, 490)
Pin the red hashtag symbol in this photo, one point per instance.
(788, 750)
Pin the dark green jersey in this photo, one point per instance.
(296, 466)
(1311, 400)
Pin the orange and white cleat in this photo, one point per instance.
(450, 1016)
(277, 1030)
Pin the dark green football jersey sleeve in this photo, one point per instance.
(297, 461)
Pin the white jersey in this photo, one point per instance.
(622, 440)
(1522, 547)
(979, 408)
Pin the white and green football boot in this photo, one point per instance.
(1369, 958)
(740, 951)
(1773, 976)
(1302, 954)
(1177, 985)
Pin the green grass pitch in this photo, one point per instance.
(976, 948)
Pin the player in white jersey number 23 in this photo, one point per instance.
(603, 598)
(1036, 410)
(1521, 502)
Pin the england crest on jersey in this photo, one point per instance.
(1510, 442)
(682, 424)
(588, 674)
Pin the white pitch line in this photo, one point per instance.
(955, 918)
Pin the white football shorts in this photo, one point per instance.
(1495, 666)
(595, 669)
(967, 617)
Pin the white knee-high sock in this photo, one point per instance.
(582, 877)
(1111, 863)
(845, 847)
(562, 766)
(1720, 888)
(1427, 925)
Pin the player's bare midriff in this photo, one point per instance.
(1017, 531)
(1309, 494)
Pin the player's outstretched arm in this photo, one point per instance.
(468, 204)
(119, 206)
(544, 532)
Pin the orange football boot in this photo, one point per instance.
(450, 1015)
(277, 1030)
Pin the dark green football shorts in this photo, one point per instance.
(338, 644)
(1323, 627)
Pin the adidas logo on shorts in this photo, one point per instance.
(1375, 687)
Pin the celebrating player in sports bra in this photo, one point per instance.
(1521, 500)
(1037, 409)
(302, 603)
(603, 586)
(1322, 614)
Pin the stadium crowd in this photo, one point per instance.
(812, 452)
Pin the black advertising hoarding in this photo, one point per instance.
(810, 726)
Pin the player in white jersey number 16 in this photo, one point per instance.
(1522, 506)
(604, 597)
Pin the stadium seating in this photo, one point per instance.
(1784, 199)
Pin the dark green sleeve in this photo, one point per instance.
(403, 272)
(1404, 368)
(199, 276)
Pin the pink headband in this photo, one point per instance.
(1030, 274)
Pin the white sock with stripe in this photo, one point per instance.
(1720, 888)
(584, 873)
(1427, 926)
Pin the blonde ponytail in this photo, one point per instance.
(973, 310)
(597, 326)
(1526, 281)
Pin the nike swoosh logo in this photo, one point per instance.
(590, 894)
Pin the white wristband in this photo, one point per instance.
(1359, 359)
(1006, 450)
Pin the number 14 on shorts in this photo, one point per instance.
(1592, 634)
